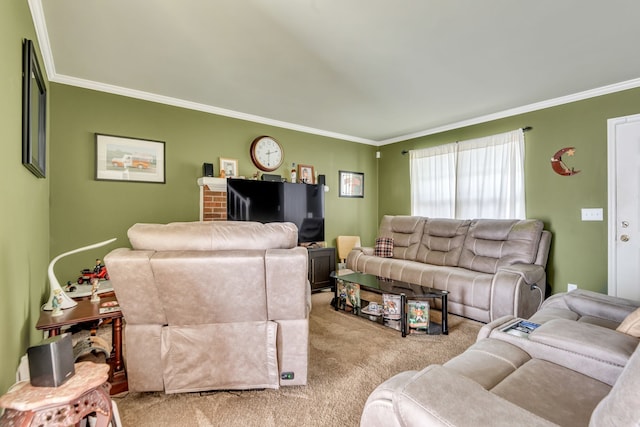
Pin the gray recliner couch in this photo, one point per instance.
(490, 267)
(567, 372)
(213, 305)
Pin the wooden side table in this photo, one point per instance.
(86, 311)
(86, 392)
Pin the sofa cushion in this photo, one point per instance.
(442, 241)
(406, 232)
(493, 243)
(213, 235)
(620, 407)
(631, 324)
(498, 360)
(384, 247)
(535, 386)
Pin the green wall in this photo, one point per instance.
(69, 208)
(84, 210)
(579, 249)
(24, 216)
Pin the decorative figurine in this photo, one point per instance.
(56, 302)
(95, 284)
(99, 272)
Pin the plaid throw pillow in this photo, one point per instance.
(384, 247)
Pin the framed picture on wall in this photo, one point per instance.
(120, 158)
(306, 174)
(229, 167)
(351, 184)
(34, 113)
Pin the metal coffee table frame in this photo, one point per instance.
(406, 291)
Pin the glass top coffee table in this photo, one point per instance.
(395, 293)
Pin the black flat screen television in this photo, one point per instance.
(268, 201)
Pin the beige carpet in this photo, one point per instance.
(349, 357)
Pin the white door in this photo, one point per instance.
(624, 206)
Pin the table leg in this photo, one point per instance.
(116, 338)
(445, 315)
(403, 315)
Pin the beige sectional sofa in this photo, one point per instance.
(213, 305)
(567, 372)
(491, 268)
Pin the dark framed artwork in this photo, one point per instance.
(34, 112)
(351, 184)
(119, 158)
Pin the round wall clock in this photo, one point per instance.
(266, 153)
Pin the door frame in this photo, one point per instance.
(612, 214)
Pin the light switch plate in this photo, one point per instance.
(592, 214)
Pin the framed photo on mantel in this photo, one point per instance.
(351, 184)
(306, 174)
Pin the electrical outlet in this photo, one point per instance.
(592, 214)
(571, 286)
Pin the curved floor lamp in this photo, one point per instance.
(67, 302)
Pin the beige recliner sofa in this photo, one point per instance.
(213, 305)
(567, 372)
(490, 267)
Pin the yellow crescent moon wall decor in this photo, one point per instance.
(558, 165)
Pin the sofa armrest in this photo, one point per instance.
(530, 273)
(513, 291)
(499, 323)
(434, 396)
(352, 258)
(366, 250)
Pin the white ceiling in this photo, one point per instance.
(371, 71)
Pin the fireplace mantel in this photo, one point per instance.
(214, 184)
(213, 198)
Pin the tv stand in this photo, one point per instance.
(322, 261)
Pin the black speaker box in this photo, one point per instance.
(51, 361)
(207, 169)
(271, 177)
(322, 180)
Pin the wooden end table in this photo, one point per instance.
(86, 311)
(84, 393)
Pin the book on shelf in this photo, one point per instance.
(104, 310)
(418, 316)
(109, 307)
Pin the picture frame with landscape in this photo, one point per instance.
(121, 158)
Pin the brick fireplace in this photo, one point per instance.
(213, 199)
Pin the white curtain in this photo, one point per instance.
(479, 178)
(433, 181)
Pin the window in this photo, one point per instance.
(478, 178)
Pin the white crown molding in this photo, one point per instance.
(43, 37)
(147, 96)
(592, 93)
(605, 90)
(45, 47)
